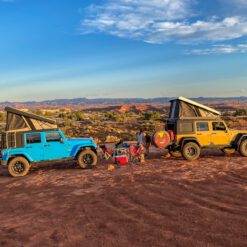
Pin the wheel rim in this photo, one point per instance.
(191, 151)
(19, 167)
(88, 159)
(245, 147)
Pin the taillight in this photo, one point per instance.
(175, 138)
(1, 154)
(171, 134)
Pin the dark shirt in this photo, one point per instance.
(148, 138)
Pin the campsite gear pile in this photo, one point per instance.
(123, 153)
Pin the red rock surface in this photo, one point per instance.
(164, 202)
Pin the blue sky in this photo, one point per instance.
(122, 48)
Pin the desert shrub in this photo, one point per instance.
(79, 116)
(151, 116)
(226, 114)
(112, 139)
(241, 112)
(38, 112)
(62, 115)
(116, 117)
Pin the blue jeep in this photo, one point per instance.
(26, 145)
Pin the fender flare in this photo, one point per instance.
(24, 155)
(81, 148)
(240, 139)
(189, 139)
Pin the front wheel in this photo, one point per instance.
(243, 148)
(18, 167)
(87, 159)
(191, 151)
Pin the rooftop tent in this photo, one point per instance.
(184, 108)
(18, 121)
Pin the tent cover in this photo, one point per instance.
(182, 108)
(19, 121)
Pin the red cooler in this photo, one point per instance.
(121, 159)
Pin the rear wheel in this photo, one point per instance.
(18, 167)
(191, 151)
(243, 148)
(87, 159)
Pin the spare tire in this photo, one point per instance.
(161, 139)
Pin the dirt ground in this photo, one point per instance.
(164, 202)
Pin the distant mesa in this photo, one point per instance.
(138, 108)
(120, 104)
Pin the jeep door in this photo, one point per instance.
(34, 146)
(203, 133)
(220, 135)
(55, 148)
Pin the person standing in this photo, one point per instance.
(141, 141)
(148, 143)
(141, 137)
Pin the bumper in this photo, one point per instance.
(4, 162)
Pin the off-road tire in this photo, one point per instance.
(243, 148)
(87, 159)
(176, 154)
(18, 167)
(191, 151)
(228, 150)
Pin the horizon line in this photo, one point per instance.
(122, 98)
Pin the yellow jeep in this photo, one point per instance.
(193, 126)
(192, 135)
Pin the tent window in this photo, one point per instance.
(173, 109)
(15, 122)
(187, 110)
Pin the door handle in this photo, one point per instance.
(214, 134)
(29, 147)
(46, 145)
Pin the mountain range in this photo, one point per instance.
(98, 102)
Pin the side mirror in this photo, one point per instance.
(61, 140)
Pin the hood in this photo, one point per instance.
(82, 141)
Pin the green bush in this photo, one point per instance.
(151, 116)
(241, 112)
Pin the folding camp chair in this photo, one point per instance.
(137, 153)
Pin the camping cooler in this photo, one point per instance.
(121, 159)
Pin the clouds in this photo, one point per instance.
(160, 21)
(219, 49)
(134, 18)
(198, 31)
